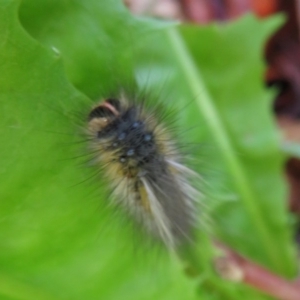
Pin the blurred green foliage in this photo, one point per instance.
(58, 239)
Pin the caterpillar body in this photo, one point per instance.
(145, 167)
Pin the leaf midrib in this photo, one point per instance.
(214, 122)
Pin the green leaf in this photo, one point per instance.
(95, 37)
(56, 241)
(225, 75)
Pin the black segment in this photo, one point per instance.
(128, 135)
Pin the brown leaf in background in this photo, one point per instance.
(283, 57)
(205, 11)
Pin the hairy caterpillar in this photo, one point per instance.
(144, 166)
